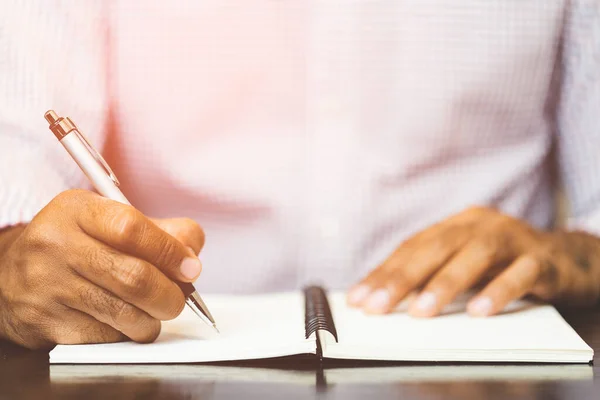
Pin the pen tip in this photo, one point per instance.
(216, 329)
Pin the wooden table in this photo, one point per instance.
(27, 375)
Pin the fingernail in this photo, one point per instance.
(358, 294)
(426, 302)
(481, 306)
(191, 268)
(378, 301)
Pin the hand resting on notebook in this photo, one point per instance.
(483, 246)
(91, 270)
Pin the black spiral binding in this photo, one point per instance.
(317, 314)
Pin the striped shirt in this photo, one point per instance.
(308, 138)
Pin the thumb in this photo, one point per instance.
(186, 230)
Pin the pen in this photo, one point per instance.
(106, 183)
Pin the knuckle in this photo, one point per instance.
(123, 314)
(125, 317)
(484, 247)
(436, 248)
(166, 254)
(90, 297)
(68, 332)
(71, 334)
(125, 224)
(82, 333)
(37, 279)
(150, 332)
(64, 335)
(104, 261)
(408, 278)
(135, 276)
(97, 258)
(437, 245)
(111, 310)
(107, 334)
(509, 228)
(446, 282)
(41, 236)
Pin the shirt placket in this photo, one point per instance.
(331, 130)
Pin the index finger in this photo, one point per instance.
(129, 231)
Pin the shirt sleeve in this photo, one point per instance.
(578, 115)
(52, 56)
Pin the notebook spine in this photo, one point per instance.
(317, 312)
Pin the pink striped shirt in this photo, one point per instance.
(308, 138)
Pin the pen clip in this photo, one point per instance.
(97, 156)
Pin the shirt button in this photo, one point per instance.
(329, 228)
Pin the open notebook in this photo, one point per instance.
(312, 322)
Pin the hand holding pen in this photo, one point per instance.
(104, 180)
(88, 269)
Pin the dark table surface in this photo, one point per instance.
(27, 375)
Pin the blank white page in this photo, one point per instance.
(525, 332)
(251, 327)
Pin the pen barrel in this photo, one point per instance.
(91, 168)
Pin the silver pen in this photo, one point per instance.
(106, 183)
